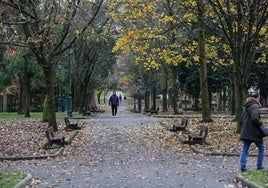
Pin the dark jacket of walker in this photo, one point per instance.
(114, 100)
(250, 121)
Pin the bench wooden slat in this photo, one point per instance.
(86, 113)
(264, 110)
(180, 126)
(199, 138)
(154, 111)
(70, 125)
(53, 138)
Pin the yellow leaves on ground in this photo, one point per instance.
(222, 136)
(158, 137)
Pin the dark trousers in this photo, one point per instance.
(114, 110)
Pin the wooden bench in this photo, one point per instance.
(96, 109)
(198, 138)
(53, 138)
(86, 113)
(180, 126)
(147, 110)
(69, 125)
(153, 111)
(264, 110)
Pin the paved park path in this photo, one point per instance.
(118, 154)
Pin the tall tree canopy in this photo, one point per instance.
(243, 29)
(47, 28)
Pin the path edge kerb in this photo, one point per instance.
(32, 157)
(247, 182)
(24, 182)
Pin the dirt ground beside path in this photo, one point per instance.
(131, 150)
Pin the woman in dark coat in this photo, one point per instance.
(250, 121)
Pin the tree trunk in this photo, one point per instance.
(165, 90)
(83, 98)
(154, 98)
(76, 98)
(147, 100)
(92, 104)
(5, 100)
(49, 112)
(175, 90)
(196, 106)
(224, 98)
(25, 77)
(27, 95)
(206, 110)
(218, 106)
(21, 90)
(239, 96)
(99, 96)
(232, 100)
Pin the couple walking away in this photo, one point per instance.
(114, 103)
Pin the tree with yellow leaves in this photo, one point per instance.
(157, 38)
(145, 32)
(243, 25)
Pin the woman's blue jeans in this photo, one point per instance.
(244, 154)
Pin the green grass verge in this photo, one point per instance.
(34, 115)
(259, 177)
(11, 179)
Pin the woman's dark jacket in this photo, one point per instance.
(250, 120)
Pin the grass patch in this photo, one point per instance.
(259, 177)
(11, 179)
(34, 115)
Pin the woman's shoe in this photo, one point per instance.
(260, 168)
(243, 169)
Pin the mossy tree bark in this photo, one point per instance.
(206, 110)
(49, 111)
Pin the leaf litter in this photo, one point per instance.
(24, 137)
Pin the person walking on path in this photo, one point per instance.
(120, 98)
(250, 120)
(114, 103)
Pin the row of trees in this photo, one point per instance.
(229, 35)
(44, 32)
(165, 43)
